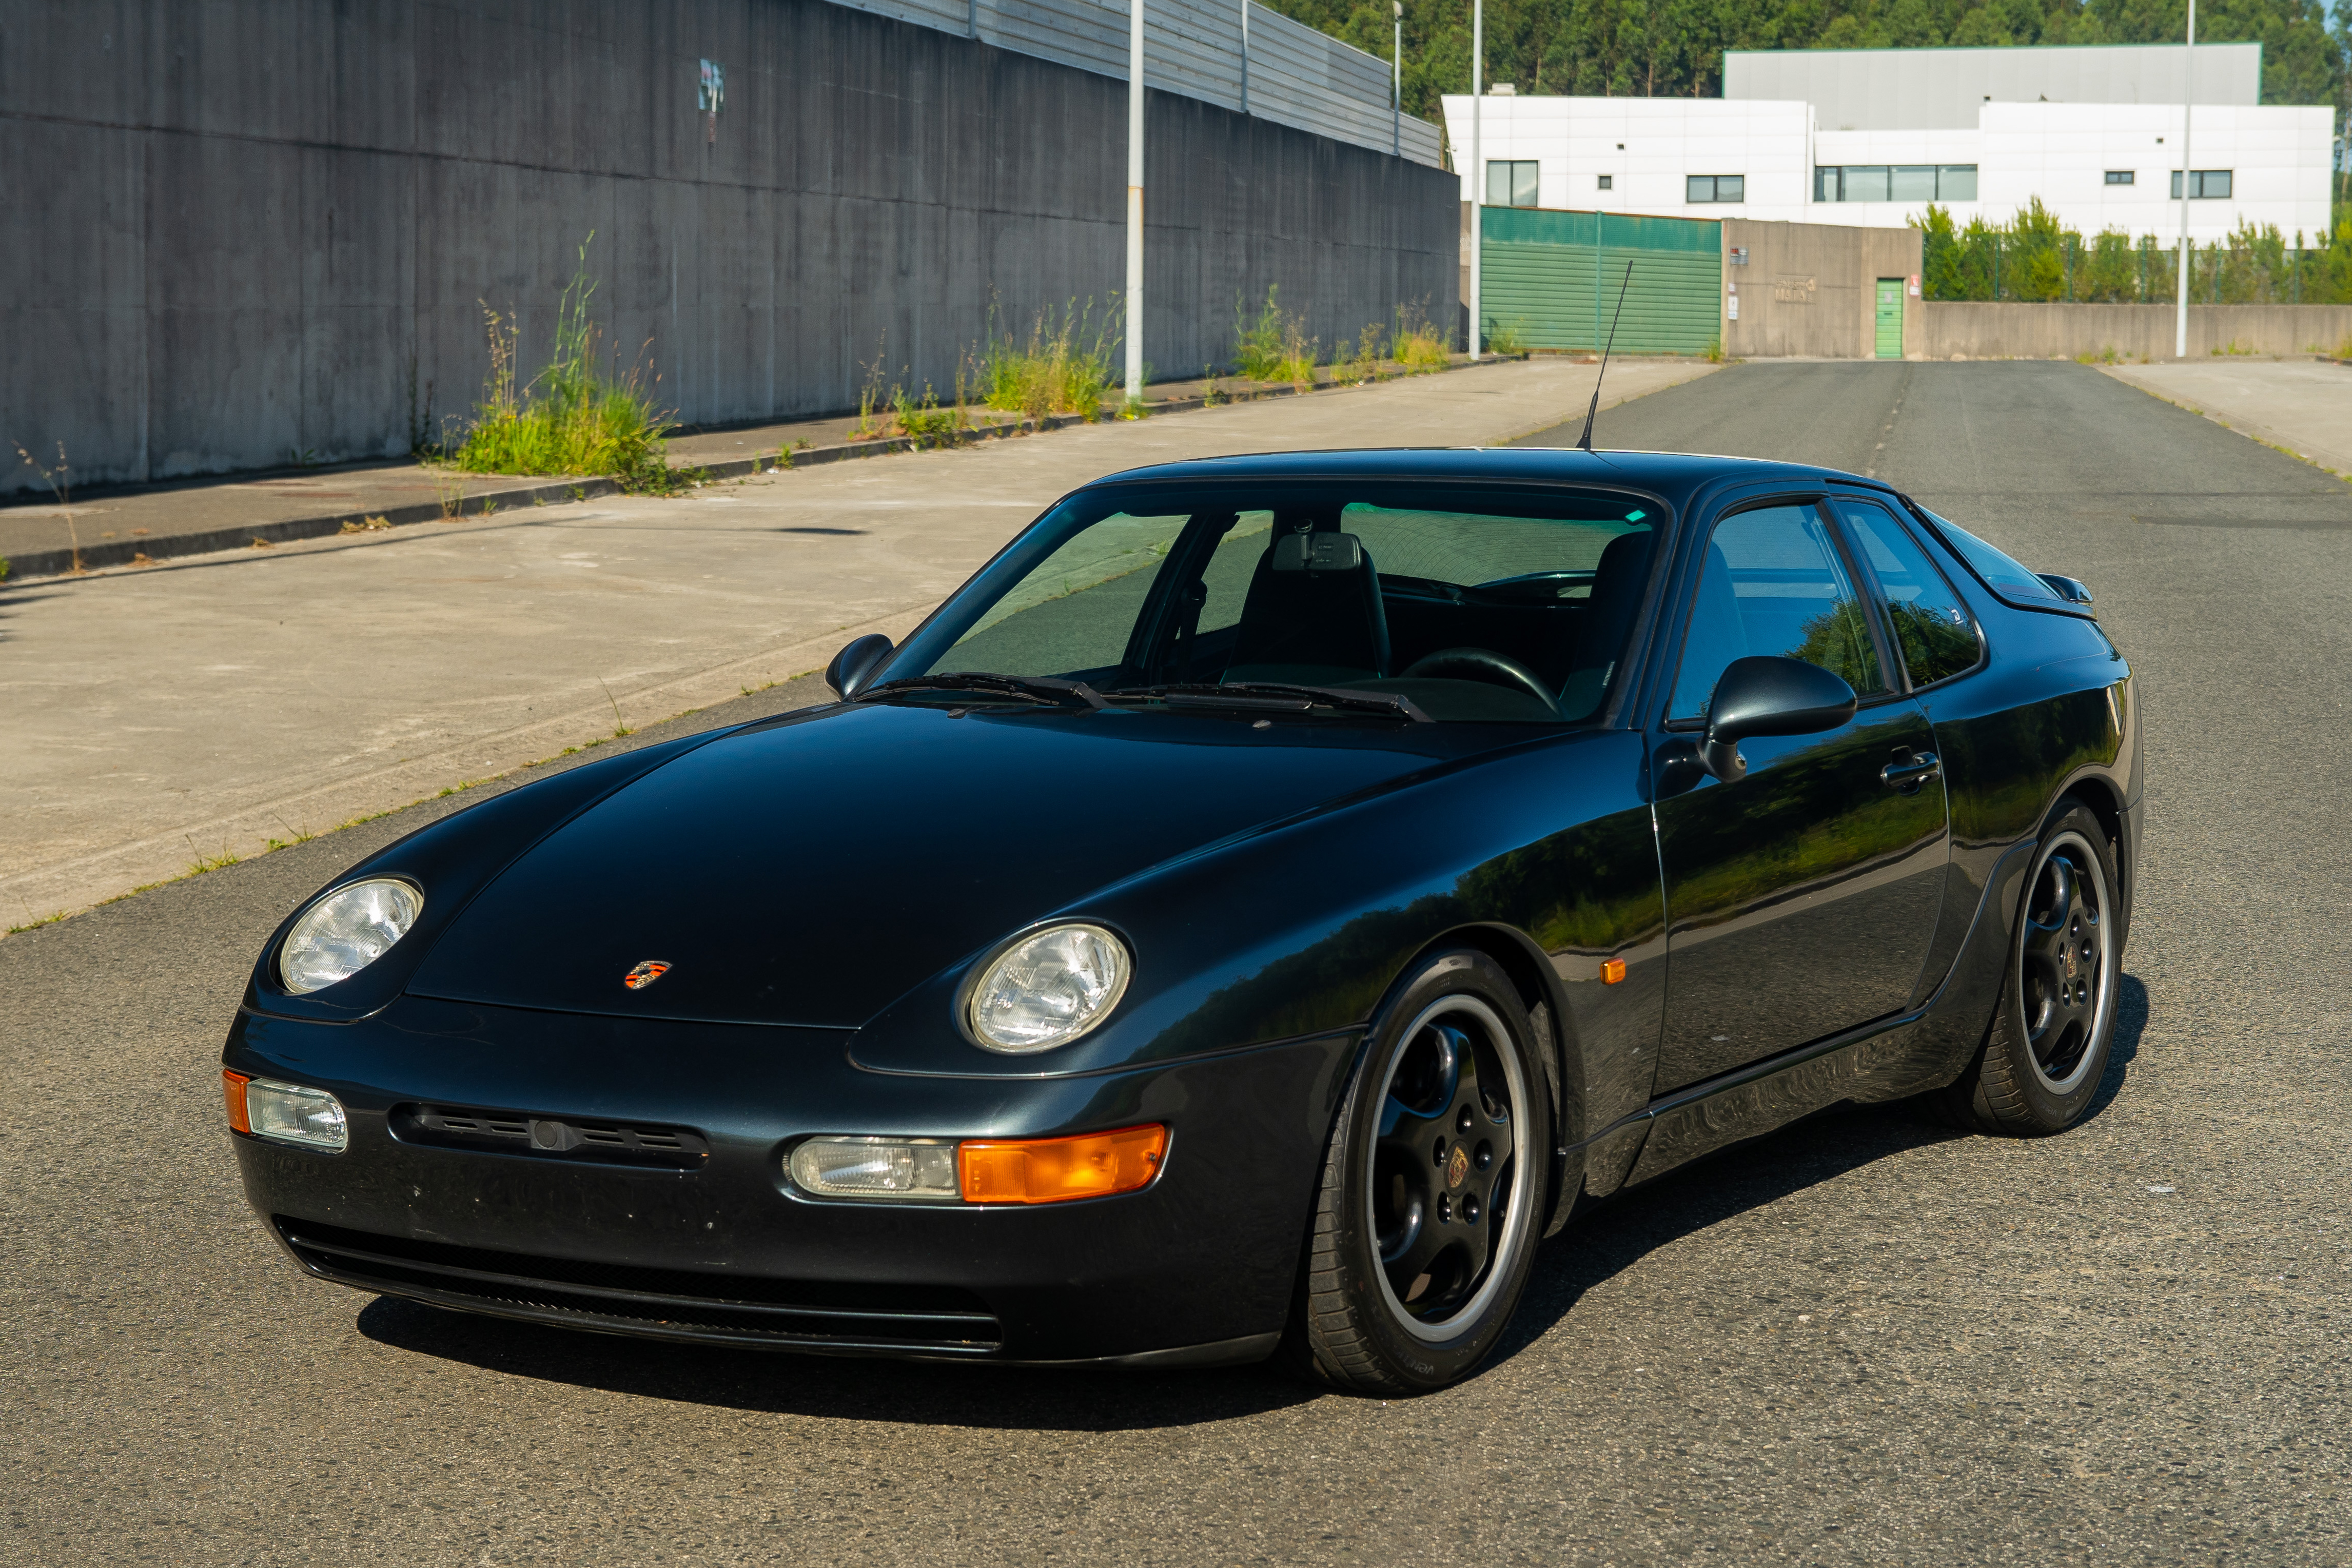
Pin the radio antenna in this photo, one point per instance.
(1584, 442)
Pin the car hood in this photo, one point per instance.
(809, 870)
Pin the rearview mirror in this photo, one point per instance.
(853, 665)
(1769, 694)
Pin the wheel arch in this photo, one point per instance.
(2098, 795)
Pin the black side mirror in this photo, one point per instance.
(1766, 694)
(853, 665)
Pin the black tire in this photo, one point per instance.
(2046, 1048)
(1425, 1226)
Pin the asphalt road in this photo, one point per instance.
(1864, 1340)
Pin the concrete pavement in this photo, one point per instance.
(197, 709)
(2302, 405)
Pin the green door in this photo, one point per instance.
(1890, 318)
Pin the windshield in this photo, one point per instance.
(1469, 603)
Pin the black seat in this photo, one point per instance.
(1311, 627)
(1607, 621)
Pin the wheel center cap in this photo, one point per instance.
(2070, 961)
(1457, 1169)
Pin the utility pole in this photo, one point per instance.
(1477, 165)
(1396, 86)
(2187, 100)
(1135, 203)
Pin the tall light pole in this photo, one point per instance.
(1477, 166)
(2188, 98)
(1396, 86)
(1135, 203)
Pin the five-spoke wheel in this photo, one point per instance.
(1426, 1226)
(2046, 1048)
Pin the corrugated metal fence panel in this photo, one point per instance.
(1307, 78)
(1537, 275)
(1297, 76)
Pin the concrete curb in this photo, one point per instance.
(51, 564)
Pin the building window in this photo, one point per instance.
(1608, 182)
(2122, 178)
(1895, 182)
(1511, 185)
(1716, 188)
(2208, 183)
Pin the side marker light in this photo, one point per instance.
(1057, 1170)
(1613, 970)
(233, 1091)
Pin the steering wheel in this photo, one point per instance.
(1484, 664)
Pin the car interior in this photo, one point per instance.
(1473, 615)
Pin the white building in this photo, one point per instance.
(1870, 137)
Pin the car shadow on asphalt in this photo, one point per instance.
(1616, 1238)
(1620, 1233)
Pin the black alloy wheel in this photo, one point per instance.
(1426, 1224)
(2046, 1049)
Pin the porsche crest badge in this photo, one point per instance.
(1457, 1169)
(644, 974)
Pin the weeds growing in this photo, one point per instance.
(572, 418)
(1063, 368)
(60, 482)
(1276, 346)
(1417, 345)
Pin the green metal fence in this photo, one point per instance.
(1538, 268)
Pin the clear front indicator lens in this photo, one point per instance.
(289, 1113)
(875, 1168)
(345, 932)
(1048, 989)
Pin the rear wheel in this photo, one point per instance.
(1425, 1224)
(2047, 1047)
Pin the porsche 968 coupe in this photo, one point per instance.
(1268, 900)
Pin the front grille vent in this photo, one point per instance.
(550, 1137)
(672, 1303)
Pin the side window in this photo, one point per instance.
(1773, 584)
(1930, 625)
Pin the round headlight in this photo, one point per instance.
(1049, 988)
(345, 932)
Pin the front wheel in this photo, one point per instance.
(2047, 1047)
(1425, 1224)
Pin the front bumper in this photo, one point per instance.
(1198, 1267)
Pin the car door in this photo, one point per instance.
(1800, 899)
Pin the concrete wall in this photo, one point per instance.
(234, 230)
(1982, 330)
(1811, 289)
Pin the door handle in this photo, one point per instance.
(1910, 775)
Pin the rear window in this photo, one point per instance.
(2000, 573)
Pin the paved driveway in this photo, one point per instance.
(1861, 1340)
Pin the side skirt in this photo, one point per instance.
(1890, 1058)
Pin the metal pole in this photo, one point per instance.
(1396, 87)
(2188, 98)
(1246, 6)
(1135, 202)
(1478, 168)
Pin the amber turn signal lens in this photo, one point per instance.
(233, 1091)
(1612, 971)
(1056, 1170)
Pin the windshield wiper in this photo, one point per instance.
(1038, 687)
(1277, 696)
